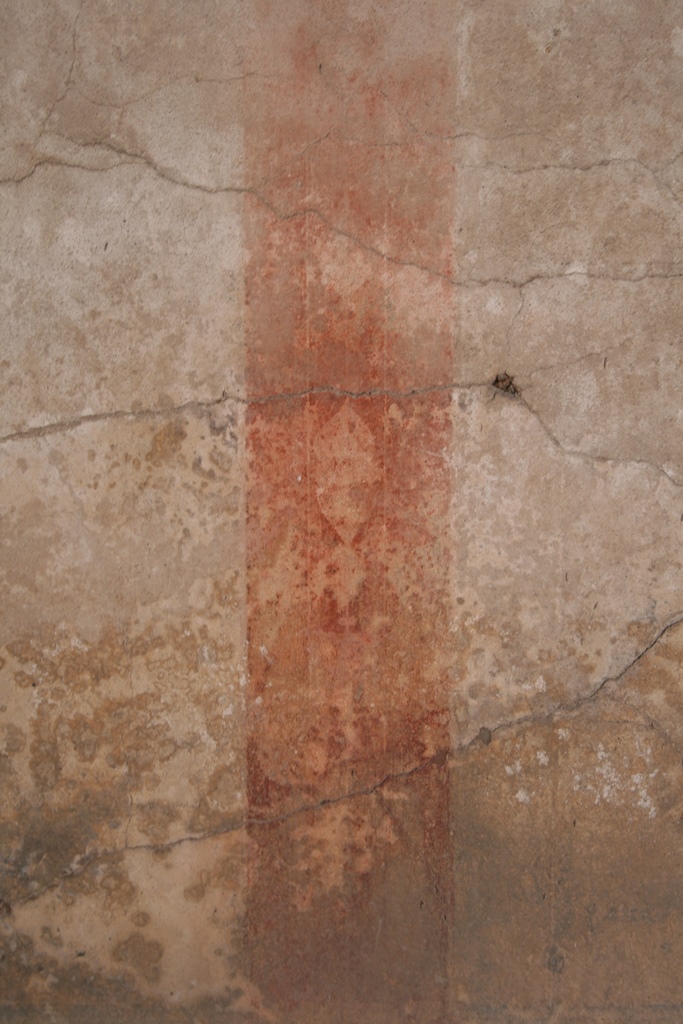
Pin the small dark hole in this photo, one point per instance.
(556, 962)
(504, 382)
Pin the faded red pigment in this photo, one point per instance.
(349, 356)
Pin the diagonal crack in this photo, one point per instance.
(173, 177)
(438, 760)
(63, 426)
(566, 707)
(577, 453)
(132, 157)
(69, 78)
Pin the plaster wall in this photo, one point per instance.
(341, 590)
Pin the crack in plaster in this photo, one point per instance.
(124, 104)
(69, 78)
(167, 175)
(370, 393)
(133, 159)
(513, 321)
(602, 353)
(648, 720)
(75, 422)
(470, 133)
(566, 707)
(588, 456)
(579, 169)
(670, 163)
(63, 426)
(461, 133)
(437, 760)
(475, 282)
(373, 250)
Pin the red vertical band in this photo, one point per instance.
(349, 354)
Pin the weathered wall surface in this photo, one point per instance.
(341, 521)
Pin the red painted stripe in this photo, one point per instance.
(350, 314)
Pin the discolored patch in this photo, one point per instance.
(142, 955)
(564, 863)
(167, 442)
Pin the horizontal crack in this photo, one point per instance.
(578, 169)
(484, 282)
(369, 393)
(74, 422)
(584, 357)
(199, 406)
(167, 175)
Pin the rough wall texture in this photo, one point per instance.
(341, 516)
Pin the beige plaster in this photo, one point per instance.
(341, 409)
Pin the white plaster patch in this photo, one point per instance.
(639, 786)
(523, 796)
(539, 686)
(609, 785)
